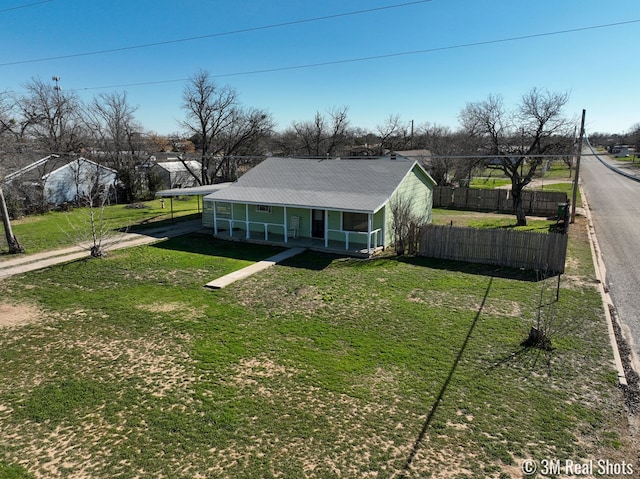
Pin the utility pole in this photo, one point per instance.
(57, 118)
(14, 245)
(577, 177)
(412, 134)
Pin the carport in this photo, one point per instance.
(197, 191)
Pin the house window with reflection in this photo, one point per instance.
(355, 221)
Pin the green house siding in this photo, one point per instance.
(417, 188)
(304, 220)
(378, 223)
(207, 213)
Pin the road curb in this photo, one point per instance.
(613, 168)
(607, 302)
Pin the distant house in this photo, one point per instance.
(326, 204)
(55, 180)
(176, 174)
(622, 151)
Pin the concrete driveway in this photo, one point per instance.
(30, 262)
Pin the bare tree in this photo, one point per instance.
(393, 134)
(514, 140)
(52, 116)
(324, 135)
(285, 142)
(94, 193)
(406, 225)
(110, 120)
(209, 110)
(13, 126)
(339, 128)
(311, 135)
(244, 137)
(7, 119)
(445, 147)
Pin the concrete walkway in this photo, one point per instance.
(226, 280)
(19, 264)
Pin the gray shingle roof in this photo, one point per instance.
(354, 185)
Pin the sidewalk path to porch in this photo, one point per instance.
(227, 279)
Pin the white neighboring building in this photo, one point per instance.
(78, 179)
(176, 174)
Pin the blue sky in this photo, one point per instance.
(599, 67)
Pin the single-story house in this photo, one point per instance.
(329, 203)
(77, 180)
(56, 180)
(176, 174)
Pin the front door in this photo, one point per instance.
(317, 224)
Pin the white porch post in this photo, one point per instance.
(384, 225)
(246, 220)
(286, 232)
(215, 218)
(369, 225)
(326, 228)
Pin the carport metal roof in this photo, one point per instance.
(191, 191)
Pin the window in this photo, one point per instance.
(355, 221)
(263, 209)
(223, 210)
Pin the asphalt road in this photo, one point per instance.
(615, 208)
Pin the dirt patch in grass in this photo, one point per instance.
(439, 299)
(184, 310)
(13, 315)
(155, 372)
(157, 362)
(306, 298)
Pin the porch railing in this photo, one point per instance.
(348, 234)
(372, 239)
(231, 224)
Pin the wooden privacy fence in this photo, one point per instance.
(536, 203)
(513, 249)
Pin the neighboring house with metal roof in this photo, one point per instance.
(176, 174)
(329, 204)
(56, 180)
(78, 180)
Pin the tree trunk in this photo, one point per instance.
(518, 206)
(14, 245)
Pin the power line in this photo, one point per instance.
(430, 50)
(214, 35)
(18, 7)
(379, 57)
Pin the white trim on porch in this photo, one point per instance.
(374, 237)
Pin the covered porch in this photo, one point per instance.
(357, 233)
(314, 244)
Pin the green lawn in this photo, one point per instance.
(562, 188)
(321, 367)
(489, 183)
(473, 219)
(558, 170)
(60, 229)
